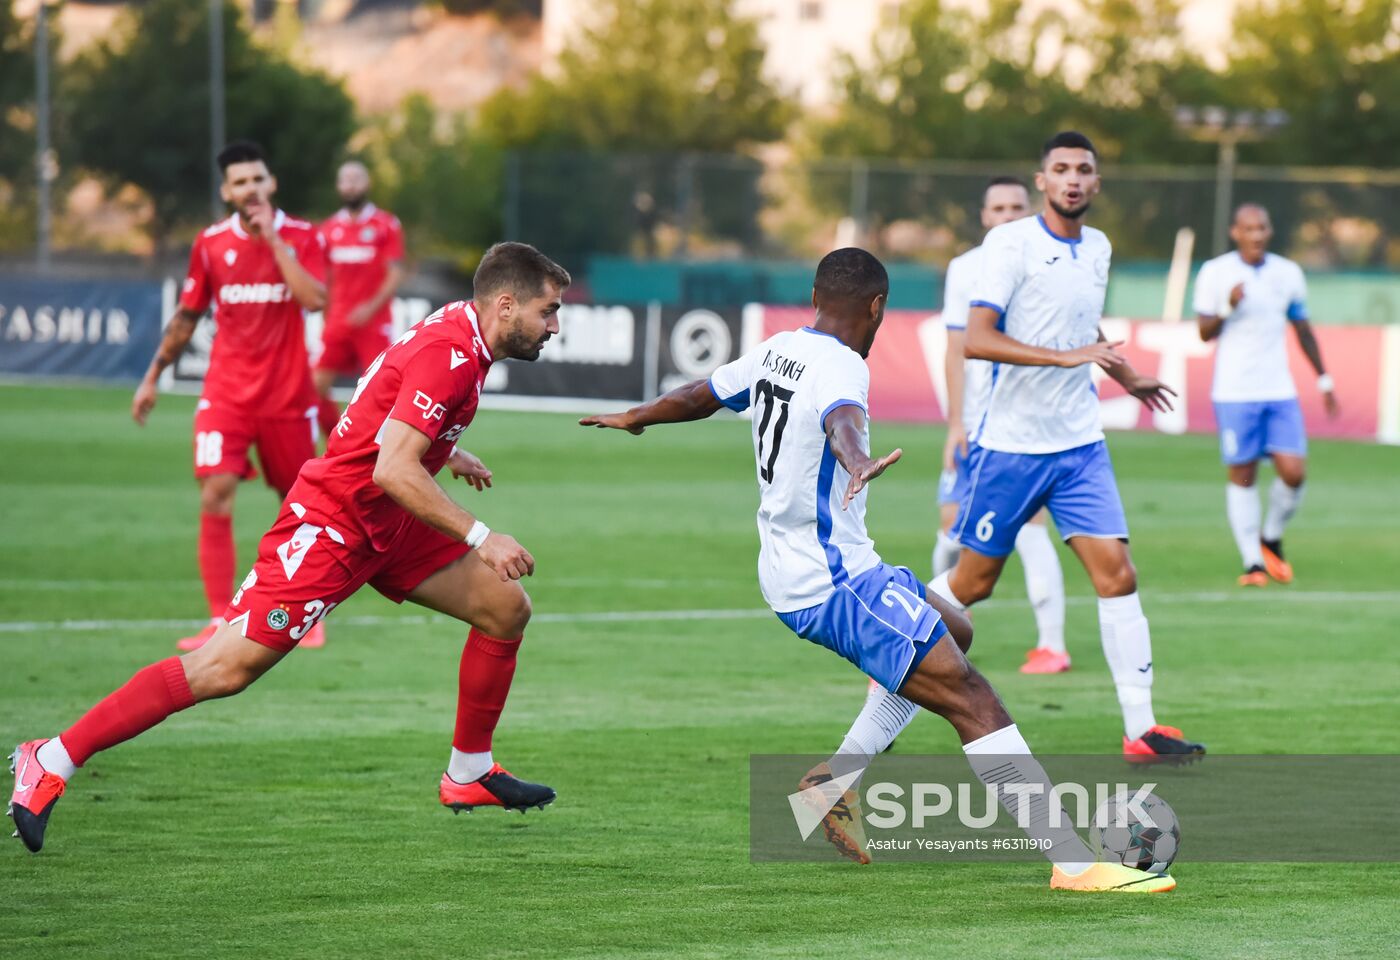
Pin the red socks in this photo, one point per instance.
(153, 694)
(483, 682)
(216, 560)
(327, 416)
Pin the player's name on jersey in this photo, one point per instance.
(783, 366)
(254, 293)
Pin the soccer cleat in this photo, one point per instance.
(1162, 745)
(1254, 577)
(1277, 567)
(497, 788)
(841, 824)
(1041, 660)
(1111, 878)
(36, 791)
(198, 640)
(315, 638)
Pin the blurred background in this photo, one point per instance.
(682, 155)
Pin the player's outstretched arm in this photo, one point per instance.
(954, 376)
(694, 401)
(177, 336)
(985, 342)
(399, 472)
(1154, 394)
(845, 431)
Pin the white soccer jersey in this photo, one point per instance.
(1050, 293)
(1251, 357)
(957, 295)
(807, 543)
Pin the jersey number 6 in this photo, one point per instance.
(774, 397)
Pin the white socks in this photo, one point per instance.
(466, 767)
(1283, 503)
(1127, 646)
(940, 587)
(1242, 507)
(1001, 758)
(53, 757)
(882, 718)
(945, 553)
(1045, 584)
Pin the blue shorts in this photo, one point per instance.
(878, 620)
(953, 484)
(1007, 489)
(1253, 429)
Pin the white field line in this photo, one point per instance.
(661, 616)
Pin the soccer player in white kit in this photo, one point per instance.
(818, 568)
(1245, 300)
(969, 384)
(1035, 314)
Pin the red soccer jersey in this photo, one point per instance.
(359, 249)
(259, 359)
(430, 378)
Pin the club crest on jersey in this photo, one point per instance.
(230, 256)
(367, 234)
(277, 618)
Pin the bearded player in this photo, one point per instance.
(258, 270)
(369, 511)
(364, 247)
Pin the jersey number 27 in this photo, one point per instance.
(772, 397)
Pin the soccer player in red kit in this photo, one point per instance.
(364, 247)
(369, 511)
(259, 270)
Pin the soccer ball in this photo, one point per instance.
(1146, 843)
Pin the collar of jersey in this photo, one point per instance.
(365, 213)
(470, 309)
(277, 219)
(823, 333)
(1046, 227)
(1256, 267)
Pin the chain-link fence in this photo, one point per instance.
(687, 205)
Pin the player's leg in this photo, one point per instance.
(1045, 586)
(337, 357)
(948, 685)
(438, 573)
(225, 665)
(1242, 439)
(1288, 446)
(222, 438)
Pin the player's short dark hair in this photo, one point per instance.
(1068, 138)
(851, 275)
(1005, 181)
(519, 268)
(240, 151)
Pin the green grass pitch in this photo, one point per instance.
(301, 817)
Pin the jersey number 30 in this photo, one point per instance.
(772, 397)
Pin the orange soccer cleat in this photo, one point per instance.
(1041, 660)
(198, 640)
(1162, 744)
(497, 788)
(36, 791)
(1277, 567)
(1254, 577)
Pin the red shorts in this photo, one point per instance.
(223, 436)
(350, 350)
(308, 563)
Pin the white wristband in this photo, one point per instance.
(1325, 384)
(477, 535)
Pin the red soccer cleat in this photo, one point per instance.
(315, 638)
(198, 640)
(1041, 660)
(1162, 744)
(36, 791)
(496, 789)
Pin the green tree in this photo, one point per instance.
(137, 111)
(442, 180)
(1334, 66)
(17, 173)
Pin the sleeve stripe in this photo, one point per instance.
(1001, 311)
(738, 402)
(839, 403)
